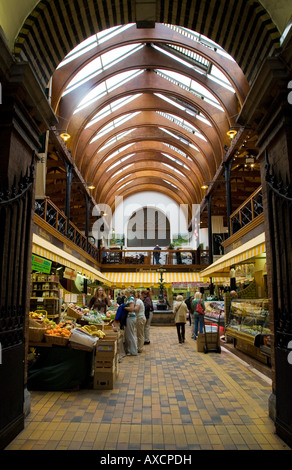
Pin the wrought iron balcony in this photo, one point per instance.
(247, 212)
(171, 258)
(113, 257)
(51, 214)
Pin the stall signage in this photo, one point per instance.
(188, 284)
(40, 264)
(70, 274)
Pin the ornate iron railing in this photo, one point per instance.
(247, 212)
(51, 214)
(148, 257)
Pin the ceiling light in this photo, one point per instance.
(231, 133)
(90, 186)
(64, 136)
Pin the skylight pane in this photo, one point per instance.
(120, 150)
(113, 125)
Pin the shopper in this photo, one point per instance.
(130, 337)
(233, 295)
(180, 311)
(100, 301)
(198, 317)
(120, 298)
(188, 303)
(140, 321)
(145, 297)
(156, 253)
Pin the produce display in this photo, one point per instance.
(42, 328)
(214, 309)
(93, 331)
(62, 329)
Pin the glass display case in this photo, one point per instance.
(249, 325)
(214, 311)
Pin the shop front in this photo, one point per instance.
(247, 323)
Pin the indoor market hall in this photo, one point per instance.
(170, 397)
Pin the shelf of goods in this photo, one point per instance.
(249, 327)
(214, 312)
(45, 294)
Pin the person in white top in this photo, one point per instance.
(140, 321)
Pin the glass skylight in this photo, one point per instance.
(106, 87)
(118, 151)
(171, 184)
(120, 161)
(178, 162)
(94, 41)
(101, 63)
(107, 110)
(113, 125)
(190, 85)
(116, 139)
(122, 169)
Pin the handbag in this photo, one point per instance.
(200, 309)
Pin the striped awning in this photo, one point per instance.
(124, 279)
(49, 251)
(247, 251)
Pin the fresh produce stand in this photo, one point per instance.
(79, 351)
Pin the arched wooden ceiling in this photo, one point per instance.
(242, 27)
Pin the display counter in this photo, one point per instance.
(214, 312)
(249, 327)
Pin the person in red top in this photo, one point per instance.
(198, 317)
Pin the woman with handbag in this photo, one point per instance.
(198, 308)
(180, 311)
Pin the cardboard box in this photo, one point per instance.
(106, 348)
(103, 380)
(212, 341)
(104, 365)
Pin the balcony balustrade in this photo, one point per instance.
(51, 214)
(247, 212)
(148, 257)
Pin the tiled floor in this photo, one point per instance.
(170, 397)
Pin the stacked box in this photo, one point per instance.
(105, 364)
(212, 341)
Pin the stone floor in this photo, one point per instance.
(169, 397)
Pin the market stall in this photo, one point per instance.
(249, 327)
(79, 351)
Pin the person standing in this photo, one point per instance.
(100, 301)
(188, 303)
(130, 337)
(120, 298)
(198, 317)
(145, 297)
(180, 311)
(157, 250)
(140, 321)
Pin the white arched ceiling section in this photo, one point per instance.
(125, 208)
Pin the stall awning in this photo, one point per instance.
(124, 279)
(248, 250)
(49, 251)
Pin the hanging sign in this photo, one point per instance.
(70, 274)
(41, 264)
